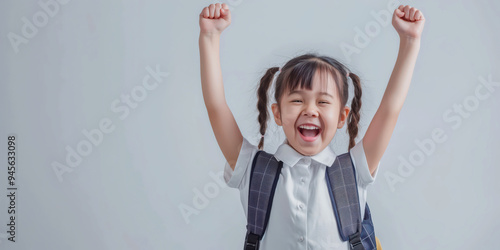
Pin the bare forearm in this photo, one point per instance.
(210, 69)
(399, 82)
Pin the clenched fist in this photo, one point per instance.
(408, 21)
(214, 18)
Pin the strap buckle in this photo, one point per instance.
(355, 242)
(251, 241)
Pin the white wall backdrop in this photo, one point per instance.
(108, 93)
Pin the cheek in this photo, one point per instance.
(288, 122)
(288, 119)
(331, 118)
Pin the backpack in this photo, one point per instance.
(343, 190)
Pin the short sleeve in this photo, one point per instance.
(361, 164)
(239, 177)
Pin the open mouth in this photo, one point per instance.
(309, 132)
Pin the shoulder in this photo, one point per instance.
(358, 157)
(240, 176)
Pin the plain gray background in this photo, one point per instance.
(161, 157)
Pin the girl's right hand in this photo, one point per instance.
(214, 18)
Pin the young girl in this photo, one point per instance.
(311, 93)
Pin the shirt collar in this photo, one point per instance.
(290, 156)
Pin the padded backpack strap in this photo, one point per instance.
(343, 191)
(368, 232)
(263, 179)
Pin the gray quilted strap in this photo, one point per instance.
(263, 180)
(343, 189)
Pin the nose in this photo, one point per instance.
(311, 110)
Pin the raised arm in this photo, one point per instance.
(213, 20)
(409, 23)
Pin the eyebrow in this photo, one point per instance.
(300, 91)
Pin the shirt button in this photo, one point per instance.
(302, 180)
(301, 206)
(301, 238)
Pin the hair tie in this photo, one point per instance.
(262, 136)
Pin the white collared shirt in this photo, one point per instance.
(302, 215)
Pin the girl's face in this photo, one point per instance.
(310, 118)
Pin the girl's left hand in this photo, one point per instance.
(408, 22)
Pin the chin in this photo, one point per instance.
(309, 150)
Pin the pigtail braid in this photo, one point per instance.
(353, 117)
(265, 83)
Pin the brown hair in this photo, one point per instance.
(298, 73)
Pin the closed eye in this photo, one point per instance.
(301, 101)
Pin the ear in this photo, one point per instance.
(343, 116)
(276, 114)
